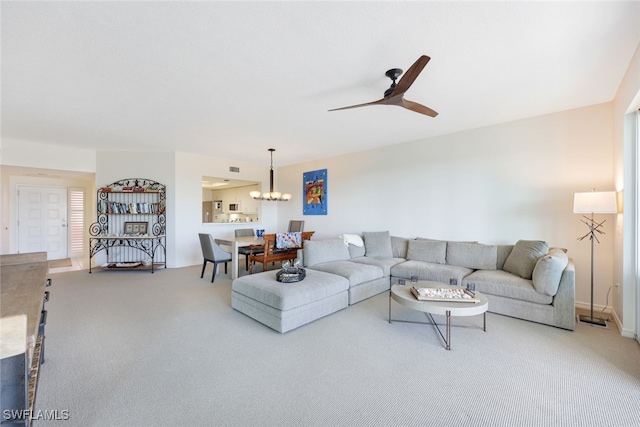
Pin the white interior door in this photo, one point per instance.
(42, 220)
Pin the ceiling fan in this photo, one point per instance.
(395, 94)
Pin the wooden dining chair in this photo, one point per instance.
(272, 253)
(212, 252)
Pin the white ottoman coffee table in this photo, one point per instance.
(286, 306)
(403, 296)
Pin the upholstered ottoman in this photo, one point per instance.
(285, 306)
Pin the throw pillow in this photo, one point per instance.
(428, 251)
(288, 240)
(522, 259)
(548, 271)
(377, 244)
(353, 239)
(472, 255)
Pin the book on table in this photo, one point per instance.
(444, 294)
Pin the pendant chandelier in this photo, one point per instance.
(272, 196)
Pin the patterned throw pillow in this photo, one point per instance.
(288, 240)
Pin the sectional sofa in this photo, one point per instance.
(527, 280)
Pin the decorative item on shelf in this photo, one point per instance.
(271, 196)
(106, 189)
(601, 202)
(127, 189)
(138, 189)
(135, 228)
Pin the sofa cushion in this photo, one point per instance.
(384, 263)
(264, 288)
(505, 284)
(438, 240)
(503, 254)
(356, 251)
(548, 271)
(427, 251)
(324, 250)
(355, 272)
(377, 243)
(399, 246)
(523, 257)
(470, 255)
(445, 273)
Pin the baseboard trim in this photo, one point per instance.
(596, 308)
(597, 311)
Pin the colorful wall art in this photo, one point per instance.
(314, 188)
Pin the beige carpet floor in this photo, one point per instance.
(166, 349)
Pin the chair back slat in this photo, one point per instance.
(296, 225)
(243, 232)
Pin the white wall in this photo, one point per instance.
(496, 185)
(626, 102)
(47, 156)
(189, 170)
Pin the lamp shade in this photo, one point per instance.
(595, 202)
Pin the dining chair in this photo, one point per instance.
(296, 225)
(212, 252)
(246, 251)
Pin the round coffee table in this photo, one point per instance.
(403, 296)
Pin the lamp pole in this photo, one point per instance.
(592, 202)
(593, 228)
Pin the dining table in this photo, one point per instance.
(235, 243)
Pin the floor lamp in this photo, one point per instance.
(593, 202)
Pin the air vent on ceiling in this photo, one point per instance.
(234, 169)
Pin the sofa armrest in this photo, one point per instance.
(564, 302)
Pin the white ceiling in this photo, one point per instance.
(231, 79)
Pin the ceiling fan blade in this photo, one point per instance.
(378, 102)
(410, 76)
(418, 108)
